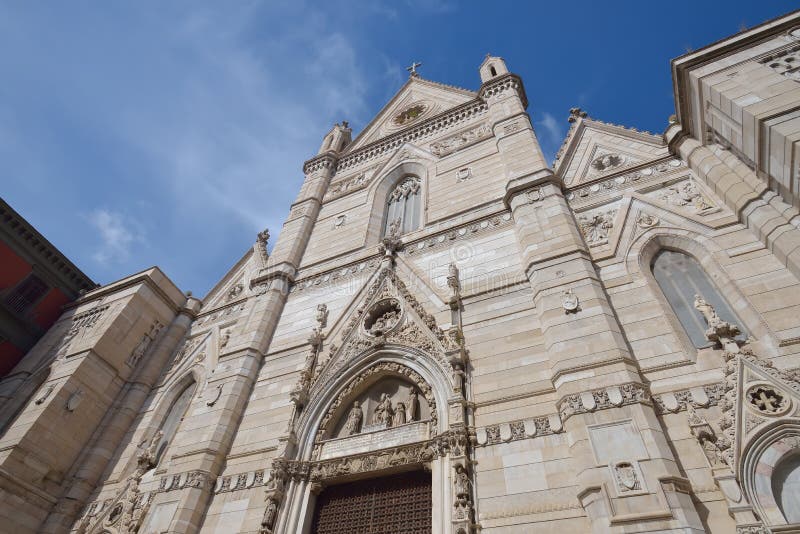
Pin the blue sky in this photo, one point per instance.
(149, 133)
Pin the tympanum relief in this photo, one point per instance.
(389, 403)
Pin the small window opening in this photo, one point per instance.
(493, 70)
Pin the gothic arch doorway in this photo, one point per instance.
(394, 504)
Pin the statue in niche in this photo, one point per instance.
(399, 414)
(270, 514)
(383, 412)
(354, 419)
(461, 483)
(412, 406)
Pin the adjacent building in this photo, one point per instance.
(36, 281)
(452, 335)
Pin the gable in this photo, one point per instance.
(416, 101)
(595, 149)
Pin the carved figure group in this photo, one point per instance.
(385, 413)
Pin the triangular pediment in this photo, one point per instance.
(594, 149)
(417, 100)
(384, 313)
(759, 395)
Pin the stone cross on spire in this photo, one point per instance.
(413, 68)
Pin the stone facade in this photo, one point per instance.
(510, 328)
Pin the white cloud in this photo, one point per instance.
(551, 135)
(116, 235)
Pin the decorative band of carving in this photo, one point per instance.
(323, 161)
(602, 399)
(460, 232)
(699, 397)
(251, 479)
(330, 277)
(453, 442)
(502, 84)
(584, 192)
(189, 479)
(517, 430)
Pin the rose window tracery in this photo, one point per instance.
(767, 400)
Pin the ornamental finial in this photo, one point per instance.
(413, 68)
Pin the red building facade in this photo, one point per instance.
(36, 281)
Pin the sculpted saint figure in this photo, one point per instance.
(708, 311)
(462, 483)
(354, 420)
(399, 414)
(412, 406)
(383, 412)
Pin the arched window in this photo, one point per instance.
(174, 418)
(493, 70)
(680, 278)
(786, 487)
(403, 207)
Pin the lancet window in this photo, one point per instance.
(681, 279)
(404, 207)
(175, 415)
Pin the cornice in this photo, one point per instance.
(326, 160)
(33, 245)
(503, 83)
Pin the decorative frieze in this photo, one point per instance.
(462, 139)
(460, 232)
(584, 193)
(239, 481)
(189, 479)
(348, 185)
(786, 62)
(698, 397)
(517, 430)
(602, 399)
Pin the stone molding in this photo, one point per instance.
(324, 161)
(699, 397)
(602, 399)
(516, 430)
(507, 82)
(460, 232)
(588, 191)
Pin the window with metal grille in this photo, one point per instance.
(26, 293)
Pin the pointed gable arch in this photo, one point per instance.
(594, 149)
(418, 99)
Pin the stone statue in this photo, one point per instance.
(461, 483)
(399, 414)
(270, 514)
(354, 420)
(322, 315)
(708, 311)
(383, 412)
(412, 406)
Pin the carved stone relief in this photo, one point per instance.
(448, 145)
(596, 226)
(686, 194)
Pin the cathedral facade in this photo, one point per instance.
(453, 336)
